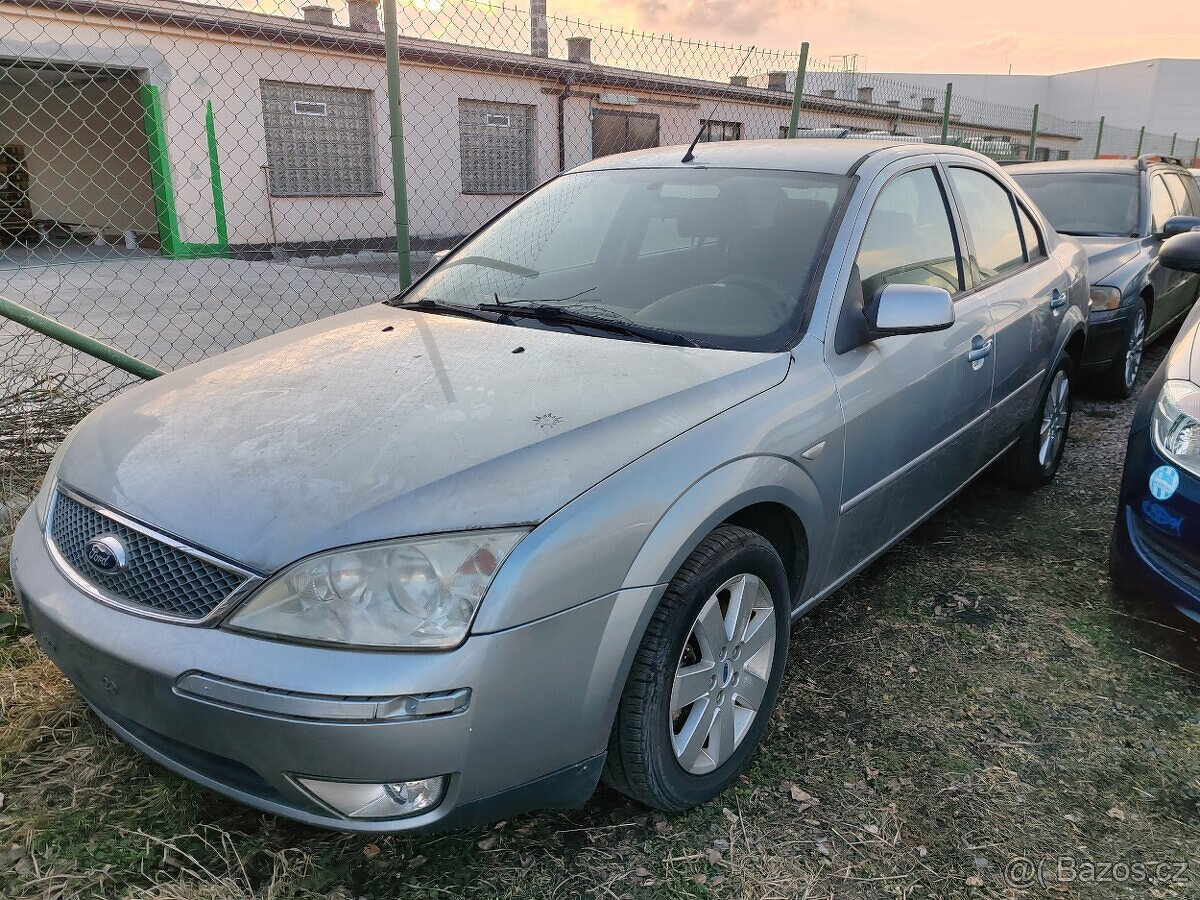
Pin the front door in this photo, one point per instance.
(914, 405)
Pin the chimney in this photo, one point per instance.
(864, 94)
(777, 81)
(739, 80)
(828, 93)
(927, 104)
(539, 29)
(893, 103)
(579, 50)
(315, 14)
(364, 15)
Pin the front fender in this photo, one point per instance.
(715, 498)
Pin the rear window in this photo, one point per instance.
(1085, 203)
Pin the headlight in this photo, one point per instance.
(41, 503)
(419, 592)
(1103, 297)
(1177, 424)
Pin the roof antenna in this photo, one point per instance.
(690, 155)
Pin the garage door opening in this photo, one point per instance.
(74, 171)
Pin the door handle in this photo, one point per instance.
(980, 350)
(1058, 299)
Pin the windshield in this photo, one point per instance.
(721, 257)
(1085, 203)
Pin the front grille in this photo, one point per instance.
(158, 577)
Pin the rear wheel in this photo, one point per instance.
(1033, 461)
(706, 675)
(1119, 380)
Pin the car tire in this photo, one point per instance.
(689, 644)
(1033, 460)
(1119, 380)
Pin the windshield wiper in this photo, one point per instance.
(608, 321)
(447, 309)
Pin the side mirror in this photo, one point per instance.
(1181, 252)
(910, 309)
(1179, 225)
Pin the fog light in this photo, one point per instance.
(377, 801)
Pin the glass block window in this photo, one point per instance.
(712, 130)
(495, 147)
(320, 140)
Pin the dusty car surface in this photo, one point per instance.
(550, 514)
(1121, 210)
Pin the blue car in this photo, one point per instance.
(1121, 211)
(1156, 542)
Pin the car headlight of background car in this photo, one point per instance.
(1104, 298)
(1177, 424)
(416, 592)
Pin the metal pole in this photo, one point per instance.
(796, 94)
(72, 338)
(1099, 138)
(946, 112)
(1141, 138)
(1033, 133)
(1196, 152)
(1174, 138)
(391, 36)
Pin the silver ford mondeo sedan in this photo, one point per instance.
(546, 517)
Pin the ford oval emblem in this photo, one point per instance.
(106, 553)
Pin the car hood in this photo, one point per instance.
(383, 422)
(1183, 361)
(1107, 254)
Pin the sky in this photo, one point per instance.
(1032, 36)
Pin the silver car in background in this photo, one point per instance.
(548, 516)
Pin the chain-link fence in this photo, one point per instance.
(179, 178)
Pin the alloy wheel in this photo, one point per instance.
(722, 674)
(1137, 345)
(1055, 414)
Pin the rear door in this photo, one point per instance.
(1025, 290)
(1170, 287)
(913, 404)
(1181, 198)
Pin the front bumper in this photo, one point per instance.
(1107, 339)
(532, 735)
(1156, 543)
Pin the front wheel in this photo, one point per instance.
(1119, 380)
(706, 675)
(1033, 461)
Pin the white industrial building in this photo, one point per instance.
(1160, 94)
(203, 130)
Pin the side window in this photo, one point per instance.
(908, 239)
(1161, 207)
(1034, 249)
(987, 208)
(1179, 194)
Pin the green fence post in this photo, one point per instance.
(946, 111)
(1141, 140)
(1099, 138)
(1196, 152)
(799, 90)
(44, 325)
(1174, 138)
(391, 37)
(1029, 154)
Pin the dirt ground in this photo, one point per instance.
(976, 716)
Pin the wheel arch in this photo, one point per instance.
(770, 495)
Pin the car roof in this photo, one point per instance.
(832, 156)
(1123, 166)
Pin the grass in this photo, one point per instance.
(978, 696)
